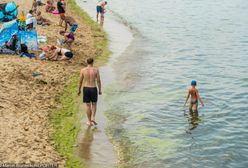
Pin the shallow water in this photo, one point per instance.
(177, 41)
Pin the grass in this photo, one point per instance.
(66, 124)
(65, 121)
(100, 37)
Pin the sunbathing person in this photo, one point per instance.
(60, 53)
(69, 38)
(49, 6)
(42, 21)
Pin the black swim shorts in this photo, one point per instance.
(90, 95)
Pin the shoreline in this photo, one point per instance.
(120, 38)
(66, 146)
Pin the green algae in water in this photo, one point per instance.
(163, 147)
(147, 131)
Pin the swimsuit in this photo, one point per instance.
(99, 9)
(70, 36)
(90, 95)
(195, 101)
(60, 8)
(73, 27)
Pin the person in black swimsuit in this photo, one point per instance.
(90, 78)
(195, 96)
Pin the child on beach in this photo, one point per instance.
(41, 20)
(195, 96)
(69, 38)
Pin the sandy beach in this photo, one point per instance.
(28, 99)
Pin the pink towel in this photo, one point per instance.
(55, 12)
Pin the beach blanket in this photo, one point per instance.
(8, 12)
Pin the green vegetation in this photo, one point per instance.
(65, 121)
(66, 124)
(100, 37)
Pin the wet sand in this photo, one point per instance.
(95, 147)
(27, 100)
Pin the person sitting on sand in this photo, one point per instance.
(42, 21)
(29, 14)
(90, 78)
(12, 43)
(69, 38)
(34, 6)
(63, 53)
(71, 22)
(100, 8)
(195, 96)
(49, 6)
(31, 21)
(25, 53)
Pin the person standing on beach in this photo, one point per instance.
(71, 22)
(195, 96)
(90, 78)
(100, 8)
(61, 10)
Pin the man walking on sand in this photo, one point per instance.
(90, 78)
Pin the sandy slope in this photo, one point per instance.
(26, 100)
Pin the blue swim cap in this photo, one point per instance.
(193, 83)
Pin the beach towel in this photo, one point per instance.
(8, 12)
(55, 12)
(29, 38)
(42, 39)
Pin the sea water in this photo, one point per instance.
(177, 41)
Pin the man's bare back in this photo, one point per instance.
(90, 75)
